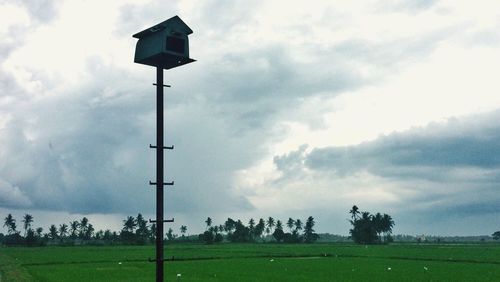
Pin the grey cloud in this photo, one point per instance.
(453, 145)
(291, 164)
(86, 151)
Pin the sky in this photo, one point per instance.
(291, 110)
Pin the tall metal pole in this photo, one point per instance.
(159, 174)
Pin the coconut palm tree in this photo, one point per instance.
(183, 230)
(27, 220)
(354, 212)
(208, 222)
(53, 232)
(10, 223)
(298, 225)
(39, 231)
(129, 224)
(63, 230)
(73, 226)
(270, 224)
(377, 224)
(279, 225)
(387, 224)
(83, 227)
(290, 223)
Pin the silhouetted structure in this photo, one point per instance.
(163, 46)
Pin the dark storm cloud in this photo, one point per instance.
(457, 144)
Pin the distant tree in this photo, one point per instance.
(152, 236)
(142, 231)
(183, 230)
(293, 237)
(251, 224)
(39, 232)
(83, 225)
(278, 234)
(53, 232)
(298, 225)
(89, 232)
(129, 224)
(309, 235)
(218, 238)
(354, 212)
(99, 235)
(270, 225)
(259, 228)
(63, 230)
(30, 237)
(73, 226)
(367, 228)
(241, 233)
(208, 222)
(377, 224)
(496, 235)
(387, 224)
(279, 225)
(10, 223)
(170, 234)
(27, 220)
(108, 235)
(207, 237)
(290, 223)
(229, 225)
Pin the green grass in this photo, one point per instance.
(256, 262)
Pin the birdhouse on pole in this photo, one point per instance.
(164, 45)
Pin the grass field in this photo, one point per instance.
(255, 262)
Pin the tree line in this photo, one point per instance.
(136, 230)
(236, 231)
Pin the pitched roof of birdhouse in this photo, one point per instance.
(174, 23)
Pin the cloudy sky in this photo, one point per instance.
(291, 110)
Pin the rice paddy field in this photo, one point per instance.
(255, 262)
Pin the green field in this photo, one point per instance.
(256, 262)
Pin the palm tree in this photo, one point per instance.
(270, 224)
(129, 224)
(53, 232)
(89, 232)
(377, 224)
(183, 230)
(208, 222)
(290, 223)
(73, 228)
(39, 231)
(387, 224)
(251, 223)
(298, 225)
(63, 230)
(27, 220)
(229, 225)
(354, 212)
(10, 223)
(279, 225)
(83, 227)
